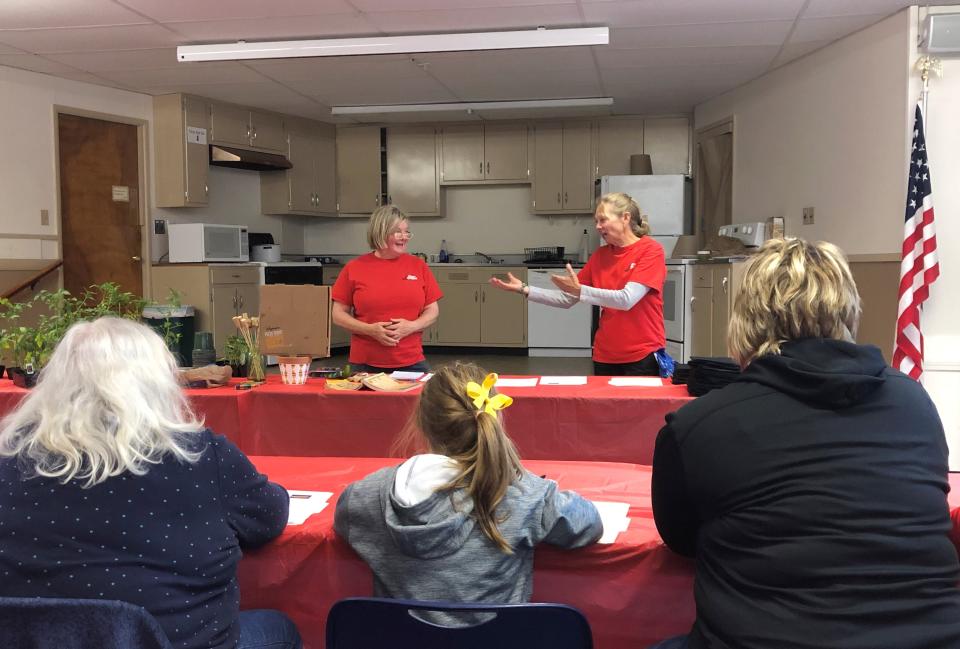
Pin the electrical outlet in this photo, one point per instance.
(159, 226)
(808, 216)
(44, 217)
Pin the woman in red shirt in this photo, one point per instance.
(386, 298)
(625, 278)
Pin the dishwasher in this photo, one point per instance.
(552, 331)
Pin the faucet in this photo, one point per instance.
(487, 258)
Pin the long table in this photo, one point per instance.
(594, 422)
(634, 591)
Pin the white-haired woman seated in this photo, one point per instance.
(813, 490)
(111, 488)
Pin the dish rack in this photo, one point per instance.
(543, 253)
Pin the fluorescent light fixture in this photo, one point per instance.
(473, 106)
(396, 44)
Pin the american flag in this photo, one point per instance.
(919, 267)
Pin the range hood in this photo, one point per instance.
(235, 158)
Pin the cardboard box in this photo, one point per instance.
(295, 319)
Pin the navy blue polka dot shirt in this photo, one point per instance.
(169, 541)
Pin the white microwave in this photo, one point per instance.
(201, 242)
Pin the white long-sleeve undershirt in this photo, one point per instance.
(621, 300)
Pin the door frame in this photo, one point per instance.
(142, 189)
(719, 127)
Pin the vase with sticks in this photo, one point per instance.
(249, 328)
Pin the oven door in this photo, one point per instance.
(673, 303)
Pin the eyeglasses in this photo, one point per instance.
(402, 234)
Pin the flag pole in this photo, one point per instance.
(927, 64)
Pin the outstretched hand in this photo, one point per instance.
(568, 283)
(512, 283)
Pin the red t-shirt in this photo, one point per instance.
(628, 336)
(381, 289)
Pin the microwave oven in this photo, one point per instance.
(201, 242)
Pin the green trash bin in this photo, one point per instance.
(181, 319)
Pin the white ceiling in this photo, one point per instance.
(664, 56)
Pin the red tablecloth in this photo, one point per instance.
(634, 592)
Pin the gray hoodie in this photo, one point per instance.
(434, 550)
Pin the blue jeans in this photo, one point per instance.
(267, 629)
(679, 642)
(419, 366)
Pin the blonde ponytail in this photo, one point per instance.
(622, 203)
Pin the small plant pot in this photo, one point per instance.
(239, 371)
(21, 378)
(294, 369)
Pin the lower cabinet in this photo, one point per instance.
(714, 287)
(339, 337)
(473, 313)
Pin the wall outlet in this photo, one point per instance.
(808, 216)
(159, 226)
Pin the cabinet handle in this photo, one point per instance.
(206, 189)
(488, 167)
(254, 132)
(483, 295)
(248, 132)
(693, 304)
(376, 200)
(240, 299)
(389, 199)
(565, 199)
(481, 166)
(476, 296)
(558, 198)
(723, 284)
(235, 307)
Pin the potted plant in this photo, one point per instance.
(237, 354)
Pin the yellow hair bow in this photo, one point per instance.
(481, 396)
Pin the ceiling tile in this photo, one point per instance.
(275, 27)
(256, 95)
(507, 62)
(527, 84)
(704, 81)
(826, 8)
(330, 70)
(688, 12)
(120, 60)
(34, 14)
(610, 59)
(35, 63)
(176, 10)
(829, 29)
(87, 39)
(372, 6)
(187, 74)
(793, 51)
(478, 19)
(357, 92)
(713, 35)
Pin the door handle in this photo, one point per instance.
(693, 301)
(723, 284)
(488, 167)
(136, 258)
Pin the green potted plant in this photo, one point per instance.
(237, 354)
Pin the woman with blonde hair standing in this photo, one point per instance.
(813, 490)
(460, 523)
(386, 298)
(111, 488)
(625, 278)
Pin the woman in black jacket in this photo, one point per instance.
(812, 491)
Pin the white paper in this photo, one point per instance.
(426, 377)
(614, 517)
(406, 376)
(196, 135)
(637, 381)
(563, 380)
(517, 383)
(304, 504)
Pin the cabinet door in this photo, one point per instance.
(326, 169)
(412, 183)
(548, 168)
(617, 140)
(505, 150)
(358, 169)
(722, 297)
(577, 175)
(301, 178)
(459, 320)
(266, 132)
(502, 317)
(229, 125)
(667, 142)
(224, 305)
(195, 114)
(461, 153)
(702, 327)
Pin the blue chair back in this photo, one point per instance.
(370, 622)
(53, 623)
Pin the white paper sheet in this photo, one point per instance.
(614, 517)
(406, 376)
(426, 377)
(563, 380)
(304, 504)
(637, 381)
(517, 383)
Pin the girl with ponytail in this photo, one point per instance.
(460, 522)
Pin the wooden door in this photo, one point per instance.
(100, 203)
(502, 319)
(462, 153)
(358, 169)
(229, 125)
(412, 170)
(714, 188)
(548, 168)
(505, 150)
(577, 175)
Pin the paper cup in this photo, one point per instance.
(294, 369)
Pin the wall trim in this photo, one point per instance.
(44, 237)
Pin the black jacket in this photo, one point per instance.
(812, 492)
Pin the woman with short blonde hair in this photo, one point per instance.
(812, 490)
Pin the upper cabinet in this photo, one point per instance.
(483, 153)
(563, 174)
(181, 126)
(667, 141)
(309, 187)
(412, 179)
(359, 170)
(617, 140)
(236, 126)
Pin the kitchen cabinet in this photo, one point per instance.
(359, 170)
(181, 125)
(714, 287)
(309, 187)
(667, 141)
(339, 337)
(617, 140)
(474, 313)
(412, 180)
(237, 126)
(563, 173)
(483, 154)
(218, 292)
